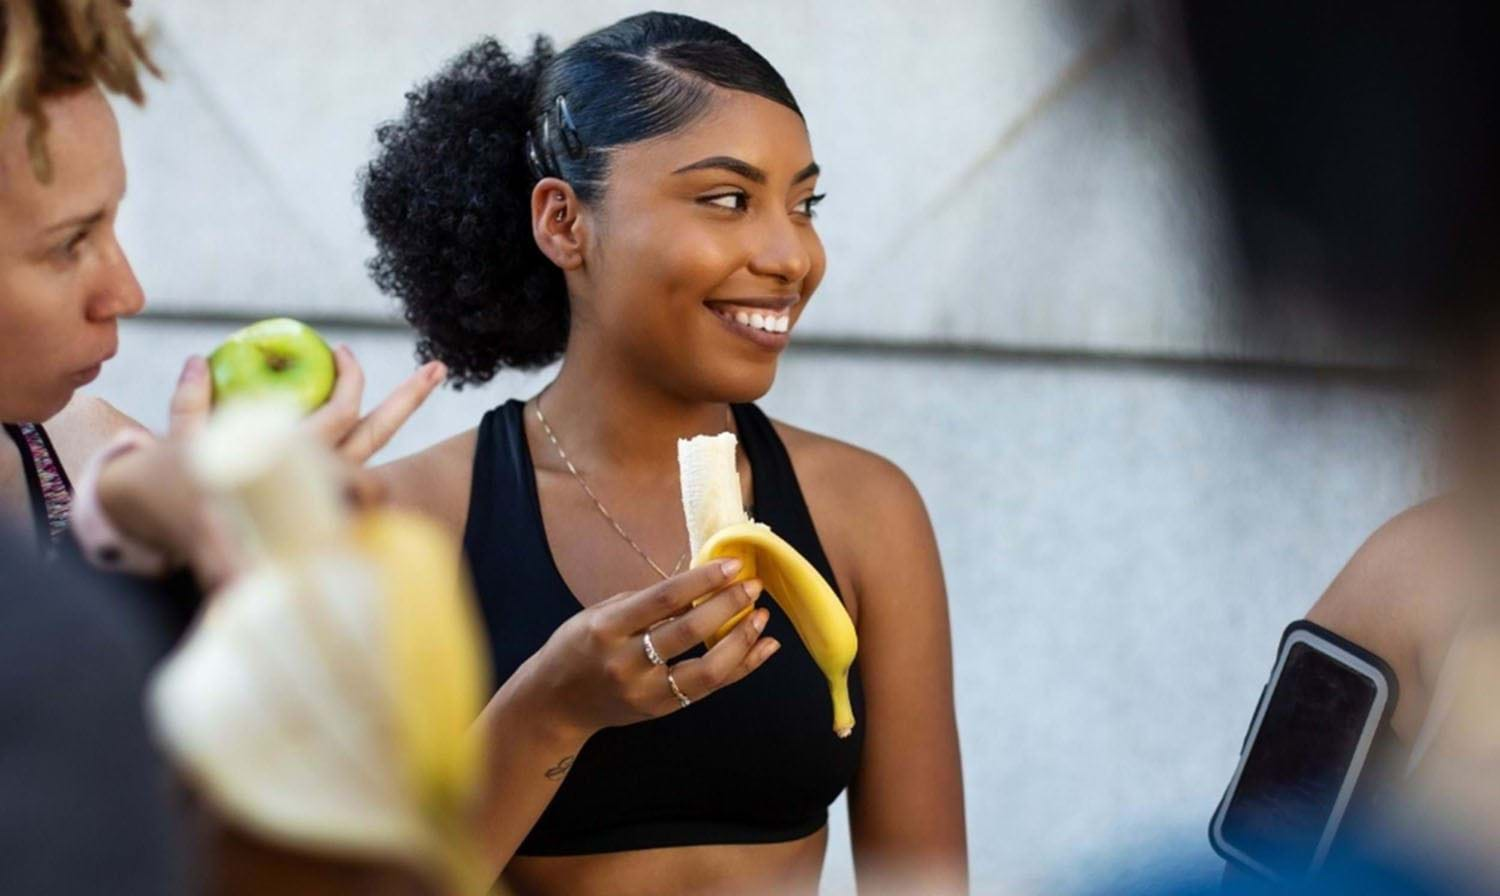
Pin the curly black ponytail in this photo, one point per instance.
(448, 201)
(448, 196)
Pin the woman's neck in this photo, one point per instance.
(607, 418)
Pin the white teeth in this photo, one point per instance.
(766, 323)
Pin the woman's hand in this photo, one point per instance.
(337, 423)
(149, 495)
(595, 672)
(356, 438)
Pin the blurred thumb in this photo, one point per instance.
(192, 400)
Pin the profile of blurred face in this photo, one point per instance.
(64, 280)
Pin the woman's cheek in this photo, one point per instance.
(817, 268)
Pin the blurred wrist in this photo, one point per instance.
(103, 510)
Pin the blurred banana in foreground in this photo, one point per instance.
(718, 528)
(438, 672)
(323, 701)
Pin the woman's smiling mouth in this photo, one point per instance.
(766, 322)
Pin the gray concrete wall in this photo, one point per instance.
(1014, 174)
(1123, 544)
(1128, 515)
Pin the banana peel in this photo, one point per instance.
(719, 528)
(804, 595)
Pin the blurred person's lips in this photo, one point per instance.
(87, 375)
(91, 372)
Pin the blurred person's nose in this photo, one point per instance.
(116, 293)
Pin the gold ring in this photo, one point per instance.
(677, 691)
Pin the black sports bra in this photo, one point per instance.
(756, 762)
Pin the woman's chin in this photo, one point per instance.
(744, 384)
(35, 408)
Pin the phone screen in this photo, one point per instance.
(1299, 760)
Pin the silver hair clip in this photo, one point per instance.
(571, 141)
(533, 161)
(549, 157)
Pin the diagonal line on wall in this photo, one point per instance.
(182, 71)
(1114, 37)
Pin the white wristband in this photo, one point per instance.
(102, 544)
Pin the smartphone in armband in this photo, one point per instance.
(1315, 752)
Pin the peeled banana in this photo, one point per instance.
(719, 528)
(324, 699)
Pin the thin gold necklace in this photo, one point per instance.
(552, 437)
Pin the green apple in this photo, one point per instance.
(277, 356)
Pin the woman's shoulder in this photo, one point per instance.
(868, 512)
(858, 476)
(1414, 564)
(434, 480)
(1404, 592)
(83, 427)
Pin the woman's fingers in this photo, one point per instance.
(634, 612)
(191, 400)
(739, 654)
(334, 420)
(762, 651)
(695, 626)
(365, 489)
(376, 429)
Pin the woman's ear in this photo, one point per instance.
(556, 222)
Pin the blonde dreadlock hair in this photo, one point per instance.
(48, 47)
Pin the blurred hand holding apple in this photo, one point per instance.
(149, 494)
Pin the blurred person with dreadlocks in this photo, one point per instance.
(86, 801)
(65, 283)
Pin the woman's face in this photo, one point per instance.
(64, 281)
(700, 236)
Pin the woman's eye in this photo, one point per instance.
(733, 201)
(69, 249)
(808, 205)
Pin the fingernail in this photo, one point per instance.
(436, 371)
(194, 369)
(731, 567)
(759, 620)
(753, 588)
(769, 651)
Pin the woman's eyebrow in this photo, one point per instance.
(87, 220)
(727, 163)
(744, 169)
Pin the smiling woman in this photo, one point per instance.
(641, 205)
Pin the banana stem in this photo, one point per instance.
(843, 712)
